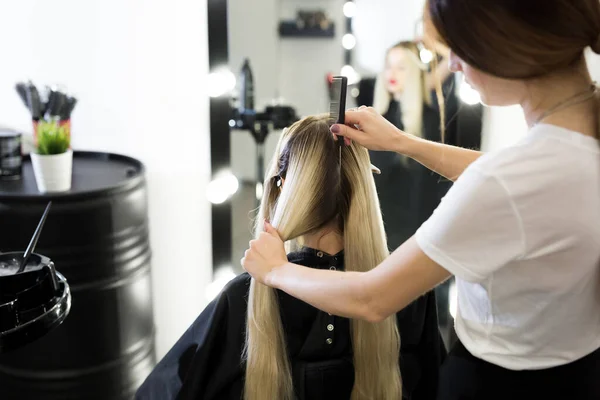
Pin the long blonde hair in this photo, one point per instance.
(315, 194)
(415, 91)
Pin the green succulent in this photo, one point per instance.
(52, 138)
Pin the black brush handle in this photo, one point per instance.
(33, 99)
(52, 98)
(22, 91)
(34, 239)
(46, 103)
(60, 104)
(65, 113)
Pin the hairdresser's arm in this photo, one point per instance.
(376, 133)
(448, 161)
(372, 296)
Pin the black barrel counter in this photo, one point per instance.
(97, 236)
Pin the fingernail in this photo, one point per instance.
(335, 138)
(335, 128)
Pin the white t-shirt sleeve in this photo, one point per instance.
(476, 228)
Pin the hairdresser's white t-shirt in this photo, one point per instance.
(520, 230)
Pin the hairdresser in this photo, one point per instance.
(520, 227)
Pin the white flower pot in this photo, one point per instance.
(53, 172)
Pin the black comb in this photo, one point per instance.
(337, 108)
(337, 105)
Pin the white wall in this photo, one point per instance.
(138, 68)
(292, 70)
(593, 61)
(504, 126)
(380, 24)
(252, 28)
(305, 63)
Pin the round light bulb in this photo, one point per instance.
(348, 41)
(349, 72)
(223, 186)
(349, 9)
(221, 81)
(426, 56)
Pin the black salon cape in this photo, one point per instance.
(206, 361)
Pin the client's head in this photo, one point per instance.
(306, 191)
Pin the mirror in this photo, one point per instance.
(293, 47)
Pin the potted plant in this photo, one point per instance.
(52, 157)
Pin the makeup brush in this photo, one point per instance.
(34, 102)
(34, 239)
(22, 91)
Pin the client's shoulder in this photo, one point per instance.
(233, 297)
(238, 285)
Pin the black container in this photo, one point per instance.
(97, 235)
(10, 155)
(32, 302)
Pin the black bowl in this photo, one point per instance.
(32, 302)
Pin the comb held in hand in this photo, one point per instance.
(337, 106)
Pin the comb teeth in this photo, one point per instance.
(337, 103)
(334, 112)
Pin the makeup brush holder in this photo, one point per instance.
(32, 302)
(53, 172)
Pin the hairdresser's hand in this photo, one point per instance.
(264, 255)
(369, 129)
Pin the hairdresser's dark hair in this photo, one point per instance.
(517, 39)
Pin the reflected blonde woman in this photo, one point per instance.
(403, 87)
